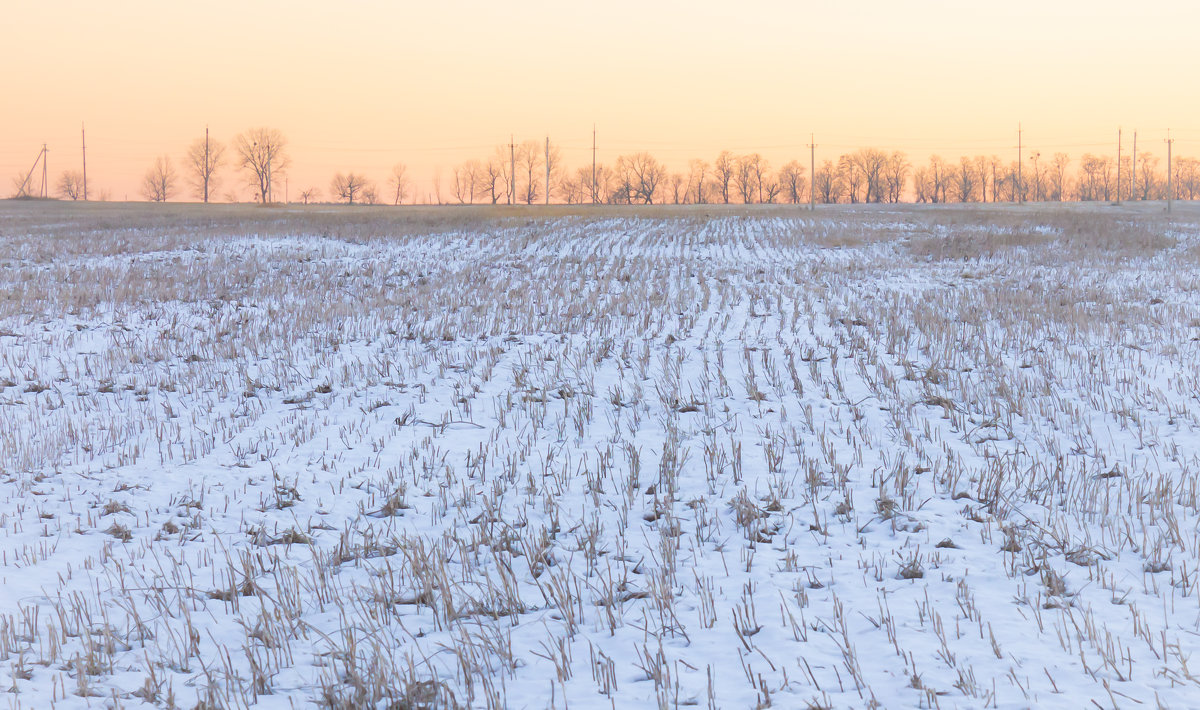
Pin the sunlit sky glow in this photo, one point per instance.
(431, 84)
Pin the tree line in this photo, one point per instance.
(533, 172)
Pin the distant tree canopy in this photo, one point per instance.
(866, 175)
(532, 171)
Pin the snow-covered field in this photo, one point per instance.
(415, 459)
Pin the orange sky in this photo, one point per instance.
(431, 84)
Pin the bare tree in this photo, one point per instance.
(997, 181)
(398, 183)
(345, 188)
(791, 177)
(602, 183)
(982, 174)
(552, 162)
(204, 157)
(679, 190)
(723, 168)
(1011, 180)
(851, 176)
(581, 182)
(572, 187)
(938, 175)
(963, 180)
(930, 183)
(70, 185)
(1149, 186)
(923, 186)
(697, 185)
(769, 188)
(1057, 176)
(743, 179)
(492, 179)
(503, 162)
(583, 179)
(23, 184)
(896, 175)
(866, 166)
(472, 176)
(529, 169)
(261, 152)
(643, 173)
(1093, 182)
(828, 184)
(1038, 177)
(370, 195)
(621, 186)
(158, 184)
(1187, 178)
(752, 179)
(460, 183)
(309, 194)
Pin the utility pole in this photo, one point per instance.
(1020, 196)
(83, 142)
(1170, 184)
(45, 179)
(812, 173)
(1118, 165)
(593, 163)
(547, 170)
(512, 170)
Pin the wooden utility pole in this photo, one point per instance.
(812, 173)
(83, 143)
(1170, 184)
(45, 178)
(547, 170)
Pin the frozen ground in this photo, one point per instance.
(386, 459)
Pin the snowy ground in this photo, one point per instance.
(916, 458)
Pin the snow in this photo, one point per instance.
(913, 458)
